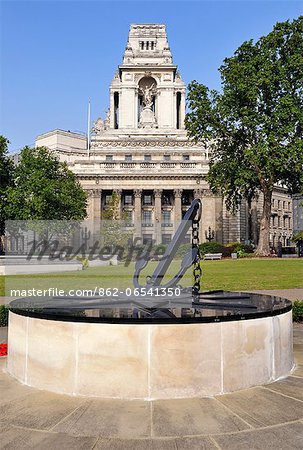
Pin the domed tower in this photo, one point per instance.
(147, 91)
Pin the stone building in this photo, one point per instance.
(141, 151)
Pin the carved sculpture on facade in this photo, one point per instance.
(100, 125)
(147, 95)
(147, 116)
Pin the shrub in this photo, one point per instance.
(211, 247)
(297, 311)
(159, 250)
(242, 250)
(182, 250)
(3, 316)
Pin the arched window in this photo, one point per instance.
(178, 104)
(116, 109)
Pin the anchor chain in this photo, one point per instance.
(197, 271)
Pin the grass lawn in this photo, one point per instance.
(241, 274)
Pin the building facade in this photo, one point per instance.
(141, 151)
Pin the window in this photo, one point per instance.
(128, 200)
(166, 199)
(166, 157)
(128, 157)
(116, 110)
(109, 157)
(147, 199)
(166, 217)
(147, 157)
(178, 104)
(279, 204)
(166, 238)
(185, 157)
(185, 199)
(147, 239)
(107, 199)
(147, 217)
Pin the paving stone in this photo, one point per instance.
(186, 417)
(291, 386)
(284, 437)
(298, 333)
(15, 438)
(109, 418)
(3, 335)
(39, 410)
(261, 407)
(298, 372)
(136, 444)
(195, 443)
(11, 390)
(298, 353)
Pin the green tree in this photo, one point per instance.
(44, 189)
(254, 125)
(114, 224)
(6, 177)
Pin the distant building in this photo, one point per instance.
(141, 151)
(298, 213)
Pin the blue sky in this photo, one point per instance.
(55, 55)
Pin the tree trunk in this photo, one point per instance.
(263, 248)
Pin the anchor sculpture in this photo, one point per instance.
(212, 299)
(151, 305)
(192, 218)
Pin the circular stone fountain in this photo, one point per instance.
(135, 352)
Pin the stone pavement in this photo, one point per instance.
(266, 417)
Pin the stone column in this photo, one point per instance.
(138, 213)
(182, 111)
(94, 215)
(158, 215)
(212, 215)
(178, 206)
(112, 111)
(118, 192)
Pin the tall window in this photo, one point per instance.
(128, 199)
(166, 217)
(178, 109)
(147, 199)
(147, 217)
(116, 109)
(166, 238)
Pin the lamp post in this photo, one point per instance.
(209, 235)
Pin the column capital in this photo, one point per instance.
(158, 192)
(137, 193)
(178, 193)
(93, 192)
(207, 193)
